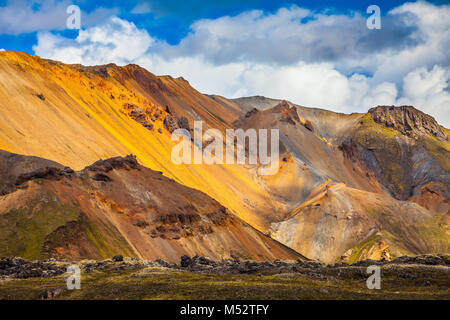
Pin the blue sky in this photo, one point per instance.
(312, 52)
(171, 19)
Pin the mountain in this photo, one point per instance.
(343, 207)
(75, 115)
(349, 187)
(404, 149)
(117, 206)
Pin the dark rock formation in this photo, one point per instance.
(289, 114)
(101, 177)
(141, 116)
(183, 123)
(47, 172)
(127, 163)
(169, 111)
(170, 123)
(23, 269)
(117, 258)
(407, 120)
(16, 169)
(41, 96)
(251, 112)
(308, 125)
(141, 223)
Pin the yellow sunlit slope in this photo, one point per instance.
(75, 117)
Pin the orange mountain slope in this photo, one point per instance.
(76, 115)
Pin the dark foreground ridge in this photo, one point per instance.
(198, 278)
(22, 269)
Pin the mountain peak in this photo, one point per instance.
(127, 163)
(408, 120)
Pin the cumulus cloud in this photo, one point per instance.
(116, 41)
(23, 16)
(322, 60)
(2, 49)
(293, 34)
(429, 90)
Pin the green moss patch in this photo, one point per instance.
(23, 231)
(428, 235)
(384, 145)
(440, 150)
(364, 246)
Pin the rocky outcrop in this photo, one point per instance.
(183, 123)
(22, 269)
(202, 264)
(143, 116)
(308, 125)
(170, 123)
(408, 120)
(44, 173)
(289, 114)
(127, 163)
(251, 112)
(404, 149)
(140, 116)
(19, 268)
(40, 96)
(16, 169)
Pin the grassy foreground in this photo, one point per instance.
(398, 282)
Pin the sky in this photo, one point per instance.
(312, 52)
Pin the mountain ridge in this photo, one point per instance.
(75, 115)
(116, 206)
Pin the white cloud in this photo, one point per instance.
(116, 41)
(291, 35)
(23, 16)
(428, 91)
(142, 8)
(433, 27)
(275, 55)
(2, 49)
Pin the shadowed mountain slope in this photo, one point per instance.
(117, 206)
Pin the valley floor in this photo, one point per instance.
(247, 281)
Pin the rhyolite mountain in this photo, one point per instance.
(358, 187)
(349, 187)
(117, 206)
